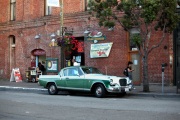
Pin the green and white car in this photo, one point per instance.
(86, 79)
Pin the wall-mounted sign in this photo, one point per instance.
(37, 52)
(95, 35)
(52, 65)
(53, 3)
(95, 38)
(100, 50)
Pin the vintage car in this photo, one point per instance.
(86, 79)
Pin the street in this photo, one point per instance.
(41, 106)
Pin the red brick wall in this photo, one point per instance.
(4, 16)
(158, 56)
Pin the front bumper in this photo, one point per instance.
(117, 89)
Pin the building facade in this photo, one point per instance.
(26, 35)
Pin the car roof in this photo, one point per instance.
(78, 67)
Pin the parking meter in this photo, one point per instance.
(163, 67)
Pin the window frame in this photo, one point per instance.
(47, 9)
(12, 10)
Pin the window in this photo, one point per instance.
(134, 39)
(86, 5)
(65, 72)
(12, 41)
(73, 72)
(48, 9)
(88, 1)
(13, 9)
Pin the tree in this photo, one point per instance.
(148, 17)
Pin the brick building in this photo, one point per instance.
(26, 27)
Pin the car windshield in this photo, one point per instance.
(91, 70)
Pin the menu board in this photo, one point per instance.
(52, 65)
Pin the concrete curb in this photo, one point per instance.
(22, 89)
(161, 95)
(134, 94)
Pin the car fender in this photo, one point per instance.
(99, 82)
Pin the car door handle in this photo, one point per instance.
(67, 78)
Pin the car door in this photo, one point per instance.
(74, 80)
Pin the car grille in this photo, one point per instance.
(123, 82)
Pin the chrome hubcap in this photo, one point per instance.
(98, 90)
(52, 88)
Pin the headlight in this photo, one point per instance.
(111, 81)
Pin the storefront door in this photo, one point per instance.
(135, 58)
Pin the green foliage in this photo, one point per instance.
(136, 13)
(136, 39)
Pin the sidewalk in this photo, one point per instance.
(155, 89)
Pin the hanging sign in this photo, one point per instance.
(16, 75)
(95, 35)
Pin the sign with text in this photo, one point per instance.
(100, 50)
(38, 52)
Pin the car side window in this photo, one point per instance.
(73, 72)
(65, 72)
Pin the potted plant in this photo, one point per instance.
(68, 44)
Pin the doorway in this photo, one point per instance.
(135, 58)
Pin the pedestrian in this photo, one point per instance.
(41, 68)
(130, 70)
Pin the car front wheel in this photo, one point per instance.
(100, 91)
(52, 89)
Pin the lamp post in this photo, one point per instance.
(37, 37)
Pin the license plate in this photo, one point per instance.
(126, 89)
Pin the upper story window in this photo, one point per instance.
(48, 9)
(13, 9)
(86, 5)
(134, 39)
(88, 1)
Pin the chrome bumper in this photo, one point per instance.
(119, 89)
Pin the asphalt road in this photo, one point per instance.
(41, 106)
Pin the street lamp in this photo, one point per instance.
(53, 39)
(37, 37)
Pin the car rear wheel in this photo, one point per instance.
(52, 89)
(99, 91)
(33, 80)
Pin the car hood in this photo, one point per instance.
(105, 77)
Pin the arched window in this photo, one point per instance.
(12, 40)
